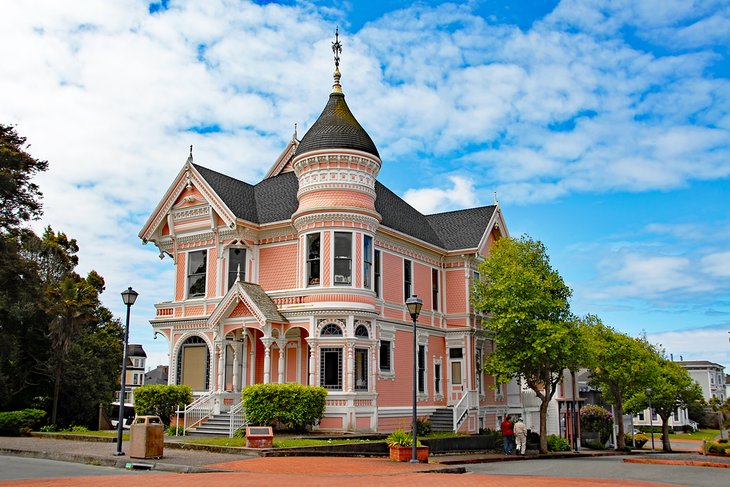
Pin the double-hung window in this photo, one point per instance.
(421, 369)
(385, 363)
(407, 279)
(196, 273)
(236, 266)
(343, 258)
(435, 288)
(313, 259)
(377, 273)
(367, 264)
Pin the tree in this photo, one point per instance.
(671, 388)
(619, 366)
(528, 317)
(19, 197)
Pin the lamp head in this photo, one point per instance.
(414, 305)
(129, 296)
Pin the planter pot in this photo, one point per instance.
(404, 453)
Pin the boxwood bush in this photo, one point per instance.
(557, 443)
(14, 423)
(293, 405)
(162, 401)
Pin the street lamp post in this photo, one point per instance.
(414, 305)
(651, 417)
(129, 297)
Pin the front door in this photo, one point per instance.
(456, 375)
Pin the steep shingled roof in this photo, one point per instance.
(275, 199)
(337, 128)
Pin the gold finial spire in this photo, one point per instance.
(337, 49)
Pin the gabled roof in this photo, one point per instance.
(275, 199)
(255, 299)
(134, 350)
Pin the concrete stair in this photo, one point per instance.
(217, 425)
(442, 420)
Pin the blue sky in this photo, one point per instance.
(603, 126)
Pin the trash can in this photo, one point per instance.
(146, 437)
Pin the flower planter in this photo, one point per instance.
(404, 453)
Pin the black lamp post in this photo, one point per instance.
(414, 305)
(129, 297)
(651, 417)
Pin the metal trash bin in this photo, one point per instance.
(146, 437)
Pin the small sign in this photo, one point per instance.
(259, 431)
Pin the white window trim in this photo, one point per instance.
(422, 341)
(187, 274)
(438, 396)
(306, 260)
(332, 254)
(387, 335)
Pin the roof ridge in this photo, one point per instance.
(463, 209)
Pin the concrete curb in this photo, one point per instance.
(108, 462)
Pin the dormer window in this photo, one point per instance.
(313, 259)
(196, 273)
(236, 261)
(343, 258)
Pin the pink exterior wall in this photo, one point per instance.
(358, 259)
(212, 272)
(326, 255)
(455, 291)
(392, 277)
(181, 275)
(422, 287)
(277, 267)
(398, 392)
(336, 198)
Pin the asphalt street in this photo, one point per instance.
(613, 468)
(21, 468)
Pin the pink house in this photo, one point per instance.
(303, 278)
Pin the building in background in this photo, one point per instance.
(136, 363)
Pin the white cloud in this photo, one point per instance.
(709, 343)
(717, 264)
(436, 200)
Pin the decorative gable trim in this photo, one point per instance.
(187, 177)
(237, 294)
(495, 223)
(283, 162)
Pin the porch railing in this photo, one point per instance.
(469, 400)
(198, 410)
(237, 418)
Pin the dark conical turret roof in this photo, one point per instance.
(337, 128)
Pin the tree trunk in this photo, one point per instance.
(543, 424)
(665, 434)
(619, 409)
(56, 393)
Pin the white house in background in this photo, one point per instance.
(709, 375)
(711, 378)
(136, 363)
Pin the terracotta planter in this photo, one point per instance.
(404, 453)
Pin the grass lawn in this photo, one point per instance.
(280, 442)
(109, 433)
(698, 435)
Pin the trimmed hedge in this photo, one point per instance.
(294, 405)
(162, 401)
(15, 423)
(557, 443)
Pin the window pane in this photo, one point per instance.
(435, 289)
(236, 261)
(456, 353)
(377, 273)
(456, 373)
(331, 368)
(437, 378)
(343, 258)
(421, 368)
(197, 286)
(361, 369)
(196, 273)
(385, 356)
(407, 293)
(313, 259)
(367, 262)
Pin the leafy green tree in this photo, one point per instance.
(161, 400)
(671, 388)
(528, 317)
(619, 366)
(19, 197)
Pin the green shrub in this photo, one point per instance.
(240, 433)
(49, 428)
(162, 401)
(641, 439)
(557, 443)
(294, 405)
(595, 445)
(596, 419)
(14, 423)
(717, 448)
(423, 427)
(174, 431)
(401, 438)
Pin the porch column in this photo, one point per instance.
(236, 375)
(350, 366)
(312, 346)
(221, 366)
(267, 359)
(281, 344)
(244, 362)
(373, 373)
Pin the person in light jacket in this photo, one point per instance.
(520, 431)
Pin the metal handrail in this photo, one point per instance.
(237, 418)
(469, 400)
(198, 410)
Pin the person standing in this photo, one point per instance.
(507, 434)
(520, 431)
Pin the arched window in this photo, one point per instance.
(330, 330)
(362, 331)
